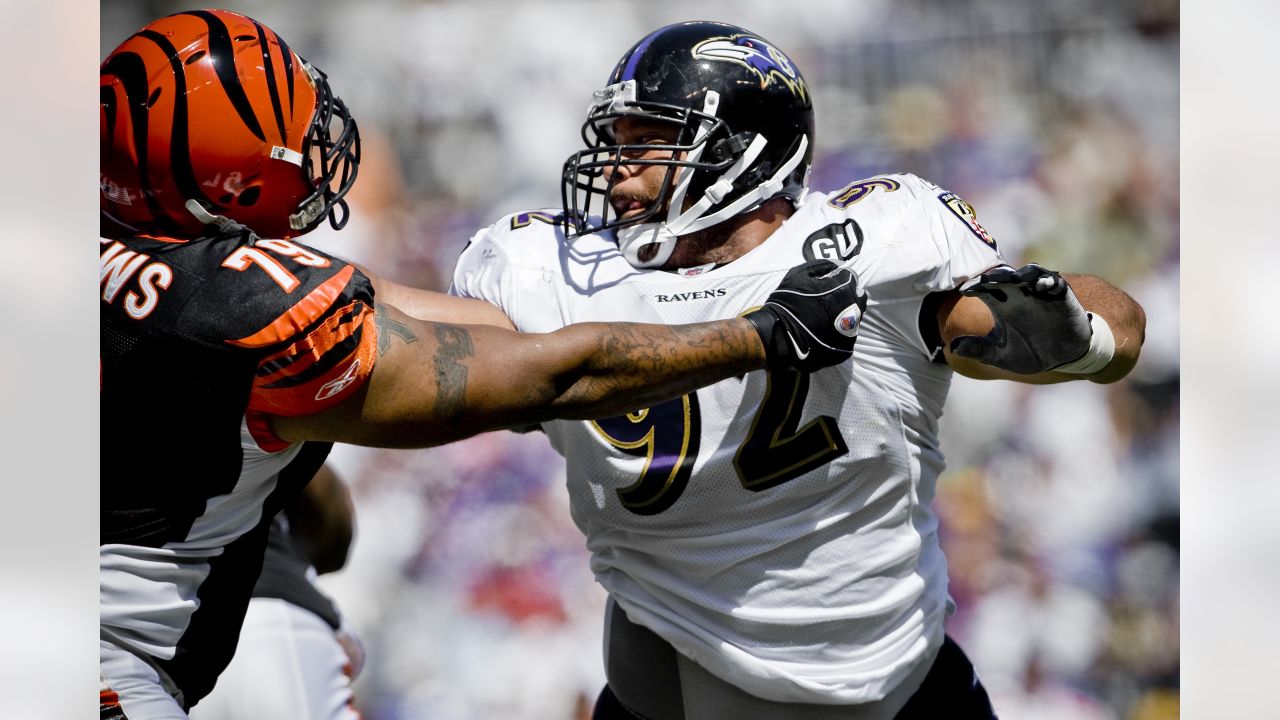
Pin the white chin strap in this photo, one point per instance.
(663, 235)
(223, 223)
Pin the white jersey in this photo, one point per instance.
(289, 664)
(775, 528)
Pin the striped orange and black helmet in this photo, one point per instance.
(214, 107)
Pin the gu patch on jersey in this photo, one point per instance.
(837, 242)
(967, 215)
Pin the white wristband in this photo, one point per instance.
(1102, 347)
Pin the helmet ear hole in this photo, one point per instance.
(195, 57)
(732, 147)
(250, 196)
(155, 95)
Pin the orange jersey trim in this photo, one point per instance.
(290, 392)
(260, 431)
(163, 239)
(303, 354)
(303, 313)
(108, 699)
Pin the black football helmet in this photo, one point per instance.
(746, 135)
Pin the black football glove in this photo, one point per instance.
(1039, 323)
(811, 320)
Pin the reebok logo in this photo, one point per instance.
(696, 295)
(337, 385)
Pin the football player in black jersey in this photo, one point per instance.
(225, 344)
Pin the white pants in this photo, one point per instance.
(648, 676)
(142, 694)
(289, 664)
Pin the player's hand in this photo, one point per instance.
(811, 320)
(1039, 323)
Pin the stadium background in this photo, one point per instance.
(1057, 121)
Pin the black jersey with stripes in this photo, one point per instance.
(200, 342)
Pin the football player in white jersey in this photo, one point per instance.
(225, 345)
(768, 542)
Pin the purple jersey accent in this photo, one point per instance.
(668, 435)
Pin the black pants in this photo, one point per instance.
(659, 684)
(950, 690)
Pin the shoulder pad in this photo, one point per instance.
(258, 295)
(517, 221)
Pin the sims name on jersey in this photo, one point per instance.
(148, 278)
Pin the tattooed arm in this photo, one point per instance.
(434, 382)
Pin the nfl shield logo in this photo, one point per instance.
(848, 321)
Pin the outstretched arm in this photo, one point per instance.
(434, 383)
(1044, 326)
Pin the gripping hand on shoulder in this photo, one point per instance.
(1039, 323)
(811, 320)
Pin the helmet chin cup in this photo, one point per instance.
(634, 238)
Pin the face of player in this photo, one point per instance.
(636, 187)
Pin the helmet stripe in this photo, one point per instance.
(221, 48)
(271, 82)
(288, 67)
(180, 165)
(629, 71)
(107, 97)
(132, 73)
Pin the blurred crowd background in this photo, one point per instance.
(1058, 121)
